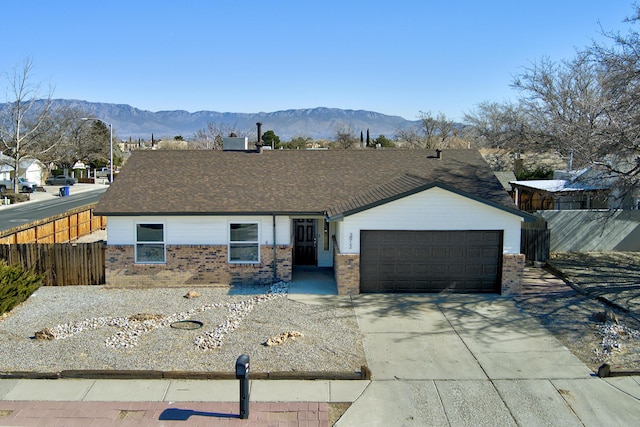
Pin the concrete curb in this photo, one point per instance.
(363, 374)
(560, 274)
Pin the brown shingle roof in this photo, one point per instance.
(289, 181)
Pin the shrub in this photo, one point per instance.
(14, 197)
(16, 285)
(539, 173)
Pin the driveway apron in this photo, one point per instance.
(473, 360)
(408, 337)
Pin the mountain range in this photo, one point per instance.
(317, 123)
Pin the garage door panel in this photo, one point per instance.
(430, 261)
(473, 270)
(421, 269)
(439, 253)
(457, 253)
(491, 252)
(438, 270)
(475, 253)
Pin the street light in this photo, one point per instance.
(110, 144)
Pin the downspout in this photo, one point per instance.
(275, 252)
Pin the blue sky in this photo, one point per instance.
(394, 57)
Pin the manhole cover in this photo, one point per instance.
(187, 324)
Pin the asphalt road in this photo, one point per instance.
(36, 210)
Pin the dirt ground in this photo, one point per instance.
(611, 282)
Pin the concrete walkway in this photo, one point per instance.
(451, 360)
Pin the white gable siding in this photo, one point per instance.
(195, 230)
(433, 209)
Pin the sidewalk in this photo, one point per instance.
(170, 402)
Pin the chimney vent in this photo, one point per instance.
(259, 141)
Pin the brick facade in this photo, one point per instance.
(512, 273)
(195, 265)
(207, 265)
(346, 268)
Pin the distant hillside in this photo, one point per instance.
(317, 123)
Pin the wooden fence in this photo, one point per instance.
(56, 229)
(535, 240)
(44, 247)
(64, 264)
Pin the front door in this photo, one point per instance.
(306, 242)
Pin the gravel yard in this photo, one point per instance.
(233, 324)
(572, 317)
(102, 331)
(611, 275)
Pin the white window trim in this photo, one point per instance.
(229, 242)
(164, 243)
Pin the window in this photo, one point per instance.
(244, 246)
(150, 244)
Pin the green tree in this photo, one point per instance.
(383, 141)
(99, 137)
(271, 139)
(297, 143)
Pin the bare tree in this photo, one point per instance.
(409, 137)
(564, 106)
(617, 151)
(24, 120)
(497, 125)
(433, 132)
(345, 137)
(73, 139)
(210, 138)
(588, 110)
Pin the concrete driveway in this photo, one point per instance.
(473, 360)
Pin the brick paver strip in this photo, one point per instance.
(187, 414)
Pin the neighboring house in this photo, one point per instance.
(383, 220)
(31, 169)
(505, 178)
(569, 190)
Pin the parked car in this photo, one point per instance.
(23, 185)
(60, 180)
(103, 173)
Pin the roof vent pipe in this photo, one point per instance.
(438, 153)
(259, 141)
